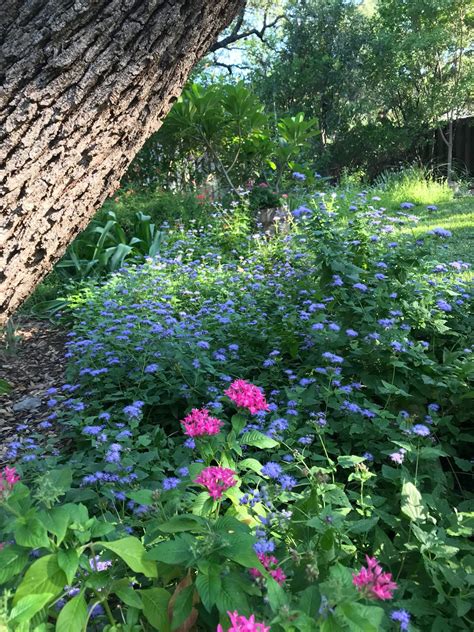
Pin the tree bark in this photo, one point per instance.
(83, 83)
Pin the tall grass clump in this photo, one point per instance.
(413, 184)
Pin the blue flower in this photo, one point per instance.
(407, 205)
(360, 286)
(134, 410)
(271, 469)
(421, 430)
(403, 617)
(443, 306)
(171, 483)
(287, 482)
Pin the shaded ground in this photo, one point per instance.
(31, 364)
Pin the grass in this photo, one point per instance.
(456, 216)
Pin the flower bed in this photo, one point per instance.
(273, 436)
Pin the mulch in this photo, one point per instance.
(31, 365)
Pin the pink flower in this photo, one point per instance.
(267, 562)
(373, 582)
(8, 478)
(247, 395)
(199, 423)
(216, 479)
(239, 623)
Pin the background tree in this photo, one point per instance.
(84, 85)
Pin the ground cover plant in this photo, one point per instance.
(258, 432)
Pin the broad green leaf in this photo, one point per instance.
(349, 461)
(127, 594)
(178, 524)
(277, 596)
(31, 533)
(68, 561)
(364, 525)
(12, 561)
(132, 552)
(175, 551)
(183, 606)
(251, 464)
(257, 440)
(412, 503)
(310, 601)
(155, 607)
(73, 615)
(362, 618)
(28, 606)
(43, 576)
(238, 423)
(209, 585)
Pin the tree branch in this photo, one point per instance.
(235, 35)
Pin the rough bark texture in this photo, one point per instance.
(83, 84)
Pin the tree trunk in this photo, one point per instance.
(83, 84)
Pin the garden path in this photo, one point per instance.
(31, 364)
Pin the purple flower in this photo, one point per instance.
(406, 205)
(134, 410)
(398, 457)
(402, 616)
(333, 358)
(443, 306)
(351, 333)
(421, 430)
(92, 430)
(271, 469)
(440, 232)
(360, 286)
(171, 483)
(298, 176)
(287, 482)
(151, 368)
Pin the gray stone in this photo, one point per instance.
(27, 403)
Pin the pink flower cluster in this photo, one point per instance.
(239, 623)
(8, 478)
(199, 423)
(269, 561)
(216, 479)
(247, 395)
(373, 582)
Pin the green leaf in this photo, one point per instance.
(12, 561)
(364, 525)
(257, 440)
(183, 606)
(310, 601)
(142, 496)
(238, 423)
(31, 533)
(127, 594)
(175, 551)
(277, 598)
(132, 552)
(68, 561)
(412, 503)
(362, 618)
(155, 607)
(209, 585)
(43, 576)
(241, 551)
(251, 464)
(73, 615)
(178, 524)
(5, 387)
(349, 461)
(28, 606)
(57, 520)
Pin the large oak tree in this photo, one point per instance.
(83, 84)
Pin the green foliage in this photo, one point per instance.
(223, 131)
